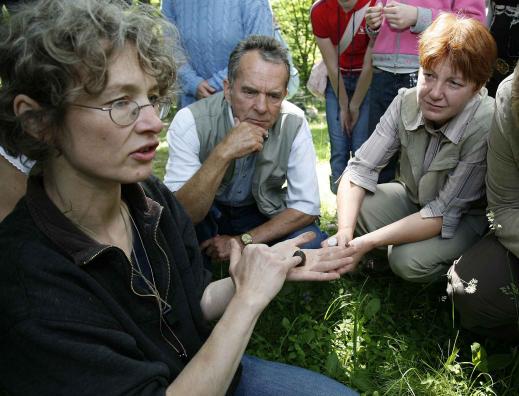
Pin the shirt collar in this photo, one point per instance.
(63, 233)
(231, 115)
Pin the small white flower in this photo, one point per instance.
(492, 221)
(471, 286)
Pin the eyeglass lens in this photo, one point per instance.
(125, 112)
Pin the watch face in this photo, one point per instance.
(246, 239)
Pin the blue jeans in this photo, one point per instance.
(384, 88)
(263, 378)
(228, 220)
(341, 145)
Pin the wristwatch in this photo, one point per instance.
(246, 239)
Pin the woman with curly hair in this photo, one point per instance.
(102, 287)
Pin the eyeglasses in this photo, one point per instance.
(125, 112)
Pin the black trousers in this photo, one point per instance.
(484, 284)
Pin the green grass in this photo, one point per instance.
(379, 335)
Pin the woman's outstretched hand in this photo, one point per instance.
(322, 264)
(356, 247)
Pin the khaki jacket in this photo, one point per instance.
(503, 164)
(424, 186)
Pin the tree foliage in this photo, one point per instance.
(293, 17)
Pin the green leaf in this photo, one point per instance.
(372, 308)
(452, 357)
(308, 336)
(285, 323)
(332, 364)
(362, 380)
(479, 357)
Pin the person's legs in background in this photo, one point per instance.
(384, 88)
(423, 261)
(339, 141)
(264, 378)
(343, 146)
(12, 184)
(360, 131)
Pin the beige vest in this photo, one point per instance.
(213, 123)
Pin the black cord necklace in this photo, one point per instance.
(150, 284)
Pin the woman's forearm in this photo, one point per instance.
(412, 228)
(216, 297)
(349, 201)
(211, 370)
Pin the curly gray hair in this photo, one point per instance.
(53, 50)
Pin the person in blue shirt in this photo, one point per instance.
(209, 31)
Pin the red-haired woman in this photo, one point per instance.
(433, 212)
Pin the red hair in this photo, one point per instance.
(465, 42)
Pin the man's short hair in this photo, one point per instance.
(464, 42)
(269, 49)
(55, 50)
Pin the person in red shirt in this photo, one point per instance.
(347, 116)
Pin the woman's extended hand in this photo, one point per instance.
(341, 238)
(356, 247)
(328, 260)
(359, 247)
(320, 264)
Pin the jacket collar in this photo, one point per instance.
(454, 130)
(69, 239)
